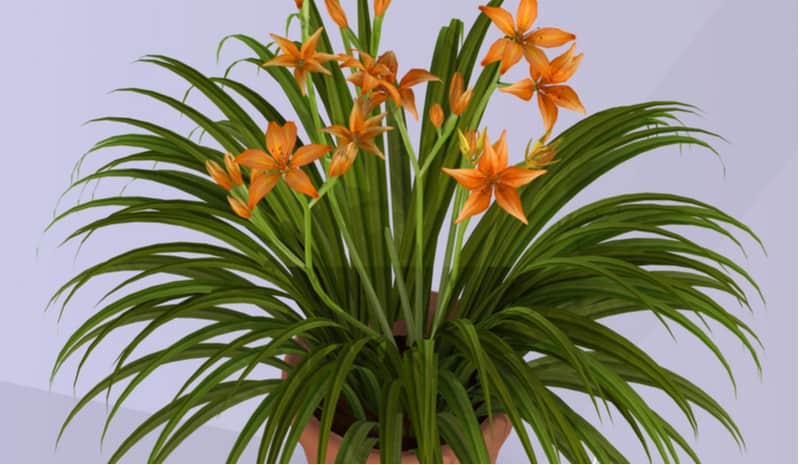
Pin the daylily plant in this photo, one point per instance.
(423, 293)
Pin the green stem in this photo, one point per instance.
(401, 288)
(443, 136)
(419, 198)
(377, 25)
(312, 277)
(444, 299)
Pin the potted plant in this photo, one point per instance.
(330, 237)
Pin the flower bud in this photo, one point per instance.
(233, 169)
(239, 207)
(219, 175)
(336, 13)
(436, 115)
(540, 155)
(380, 6)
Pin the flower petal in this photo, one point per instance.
(501, 18)
(408, 102)
(495, 52)
(477, 202)
(388, 60)
(300, 182)
(516, 176)
(522, 89)
(417, 76)
(307, 154)
(239, 207)
(257, 159)
(511, 56)
(260, 187)
(336, 13)
(495, 157)
(339, 131)
(539, 64)
(470, 178)
(310, 45)
(565, 97)
(508, 199)
(284, 60)
(287, 46)
(436, 115)
(526, 14)
(369, 146)
(549, 111)
(550, 37)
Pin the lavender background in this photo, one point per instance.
(736, 60)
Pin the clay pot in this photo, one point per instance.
(494, 437)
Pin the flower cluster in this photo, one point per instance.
(378, 82)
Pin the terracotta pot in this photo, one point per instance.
(494, 437)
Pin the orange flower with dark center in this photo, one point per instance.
(359, 135)
(282, 161)
(304, 60)
(404, 88)
(493, 175)
(519, 41)
(373, 74)
(548, 85)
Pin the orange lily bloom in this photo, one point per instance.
(359, 135)
(336, 13)
(548, 85)
(459, 98)
(519, 41)
(304, 60)
(380, 6)
(436, 115)
(493, 175)
(282, 161)
(373, 74)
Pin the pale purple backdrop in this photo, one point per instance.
(736, 60)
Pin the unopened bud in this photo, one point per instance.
(233, 169)
(218, 174)
(239, 207)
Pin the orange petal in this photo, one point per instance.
(477, 202)
(494, 158)
(233, 169)
(456, 88)
(287, 46)
(336, 13)
(300, 182)
(260, 187)
(436, 115)
(495, 52)
(522, 89)
(369, 146)
(282, 60)
(549, 111)
(340, 132)
(516, 176)
(310, 45)
(342, 159)
(408, 102)
(417, 76)
(462, 103)
(307, 154)
(511, 56)
(218, 174)
(550, 37)
(508, 199)
(257, 159)
(239, 207)
(300, 78)
(391, 90)
(501, 18)
(501, 153)
(540, 65)
(389, 61)
(564, 66)
(526, 14)
(470, 178)
(298, 3)
(565, 97)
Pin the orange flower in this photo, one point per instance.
(380, 6)
(436, 115)
(518, 40)
(337, 13)
(233, 169)
(381, 76)
(304, 60)
(359, 135)
(282, 161)
(299, 4)
(548, 86)
(493, 175)
(459, 98)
